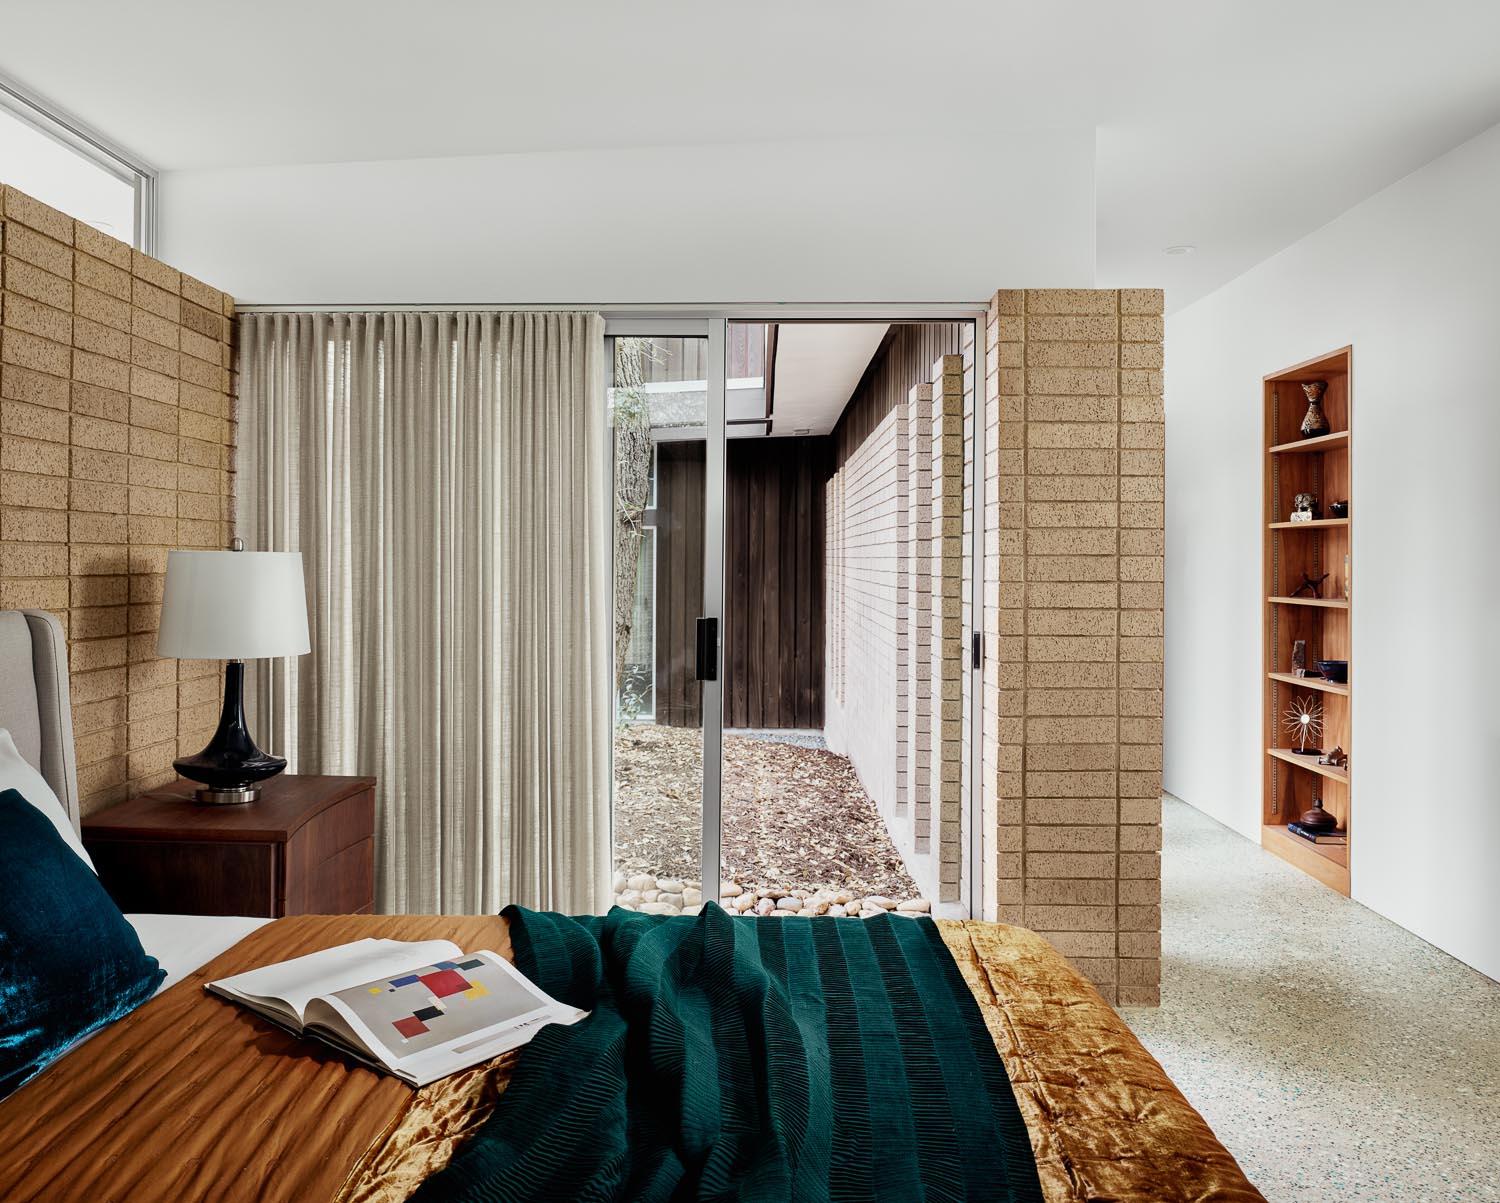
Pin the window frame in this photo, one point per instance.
(88, 143)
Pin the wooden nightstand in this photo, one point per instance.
(307, 846)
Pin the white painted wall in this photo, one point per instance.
(1410, 277)
(930, 218)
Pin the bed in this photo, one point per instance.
(191, 1098)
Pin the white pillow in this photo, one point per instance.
(16, 774)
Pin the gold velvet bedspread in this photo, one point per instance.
(192, 1098)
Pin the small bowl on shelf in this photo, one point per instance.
(1336, 671)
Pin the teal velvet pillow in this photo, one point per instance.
(69, 961)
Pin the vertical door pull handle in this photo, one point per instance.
(708, 649)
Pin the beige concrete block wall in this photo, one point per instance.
(865, 722)
(896, 559)
(1073, 611)
(917, 705)
(941, 833)
(116, 444)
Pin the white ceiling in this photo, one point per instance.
(1235, 125)
(817, 366)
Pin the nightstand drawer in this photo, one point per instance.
(341, 884)
(188, 877)
(306, 846)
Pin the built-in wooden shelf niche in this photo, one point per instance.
(1319, 466)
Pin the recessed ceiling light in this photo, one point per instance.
(1181, 248)
(803, 430)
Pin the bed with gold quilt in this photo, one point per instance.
(192, 1098)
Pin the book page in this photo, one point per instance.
(296, 982)
(456, 1007)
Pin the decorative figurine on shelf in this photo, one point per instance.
(1311, 584)
(1337, 759)
(1299, 657)
(1304, 507)
(1338, 509)
(1316, 422)
(1303, 721)
(1318, 819)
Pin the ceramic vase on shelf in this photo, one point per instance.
(1315, 422)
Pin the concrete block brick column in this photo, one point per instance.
(1073, 615)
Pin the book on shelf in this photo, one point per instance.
(416, 1010)
(1337, 836)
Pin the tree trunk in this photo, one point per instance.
(632, 426)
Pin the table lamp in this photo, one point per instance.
(233, 606)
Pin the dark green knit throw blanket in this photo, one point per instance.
(759, 1060)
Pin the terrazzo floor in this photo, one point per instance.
(1336, 1055)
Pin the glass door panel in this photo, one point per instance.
(659, 413)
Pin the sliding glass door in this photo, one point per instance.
(666, 402)
(796, 573)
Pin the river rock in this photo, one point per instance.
(765, 906)
(651, 895)
(915, 906)
(730, 889)
(692, 896)
(836, 910)
(674, 900)
(669, 885)
(622, 883)
(642, 882)
(658, 908)
(789, 904)
(880, 900)
(629, 898)
(744, 902)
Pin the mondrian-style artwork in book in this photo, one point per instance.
(419, 1006)
(442, 982)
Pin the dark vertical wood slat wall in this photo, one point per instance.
(679, 581)
(773, 541)
(905, 359)
(773, 604)
(679, 359)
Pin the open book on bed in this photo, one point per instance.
(419, 1010)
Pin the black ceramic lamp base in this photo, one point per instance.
(231, 768)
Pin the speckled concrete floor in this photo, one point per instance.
(1336, 1055)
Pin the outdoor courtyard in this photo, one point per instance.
(800, 835)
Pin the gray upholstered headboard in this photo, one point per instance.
(35, 705)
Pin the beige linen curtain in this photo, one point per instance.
(443, 475)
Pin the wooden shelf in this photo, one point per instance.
(1327, 603)
(1318, 627)
(1329, 863)
(1310, 763)
(1317, 683)
(1324, 442)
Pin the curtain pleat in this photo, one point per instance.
(443, 476)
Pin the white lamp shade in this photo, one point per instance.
(233, 605)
